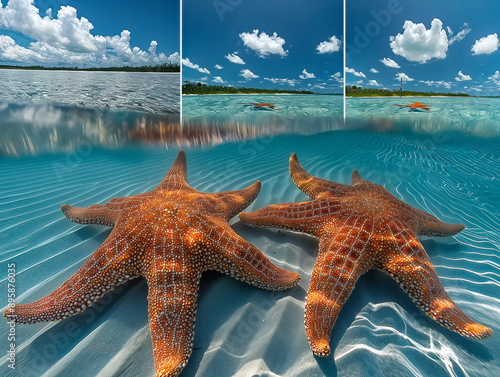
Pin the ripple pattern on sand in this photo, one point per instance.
(241, 330)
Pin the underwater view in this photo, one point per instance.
(240, 328)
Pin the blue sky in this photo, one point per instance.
(89, 32)
(440, 46)
(305, 52)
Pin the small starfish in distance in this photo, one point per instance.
(363, 227)
(259, 105)
(416, 106)
(169, 235)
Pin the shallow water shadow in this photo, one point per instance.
(96, 232)
(51, 345)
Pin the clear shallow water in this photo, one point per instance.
(150, 92)
(477, 116)
(241, 330)
(288, 105)
(54, 111)
(221, 118)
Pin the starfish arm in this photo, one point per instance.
(313, 186)
(338, 266)
(430, 226)
(356, 178)
(172, 295)
(176, 178)
(307, 217)
(107, 214)
(233, 202)
(96, 214)
(102, 272)
(238, 258)
(410, 266)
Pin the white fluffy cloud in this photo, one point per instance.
(218, 66)
(264, 44)
(459, 36)
(486, 45)
(390, 63)
(495, 78)
(373, 83)
(403, 76)
(462, 77)
(337, 77)
(417, 44)
(274, 80)
(247, 74)
(307, 75)
(234, 58)
(373, 70)
(437, 83)
(354, 72)
(68, 39)
(332, 45)
(190, 64)
(218, 80)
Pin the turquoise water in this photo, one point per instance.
(241, 330)
(477, 116)
(221, 118)
(286, 105)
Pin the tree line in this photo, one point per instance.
(201, 88)
(359, 91)
(164, 67)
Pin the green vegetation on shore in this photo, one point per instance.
(358, 91)
(200, 88)
(165, 67)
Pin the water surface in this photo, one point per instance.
(469, 115)
(51, 111)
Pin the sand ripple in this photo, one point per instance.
(241, 330)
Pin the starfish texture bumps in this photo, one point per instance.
(169, 235)
(362, 227)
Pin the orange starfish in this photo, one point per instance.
(258, 105)
(170, 236)
(416, 106)
(362, 227)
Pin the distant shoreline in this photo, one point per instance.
(420, 96)
(259, 94)
(159, 68)
(404, 96)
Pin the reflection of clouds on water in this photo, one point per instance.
(36, 114)
(38, 127)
